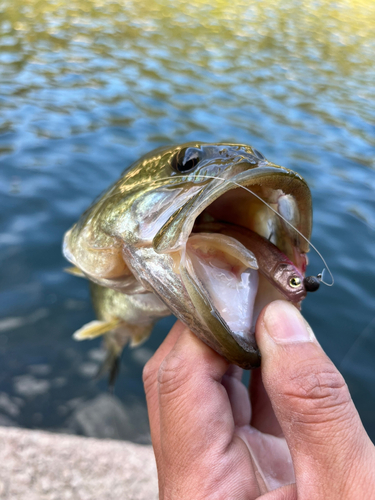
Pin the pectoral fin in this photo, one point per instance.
(117, 334)
(95, 329)
(75, 271)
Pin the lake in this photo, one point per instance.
(88, 86)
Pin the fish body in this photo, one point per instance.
(178, 234)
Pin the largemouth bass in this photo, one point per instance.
(177, 233)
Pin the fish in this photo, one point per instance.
(210, 233)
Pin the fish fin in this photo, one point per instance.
(115, 342)
(75, 271)
(111, 364)
(140, 336)
(113, 374)
(125, 333)
(95, 329)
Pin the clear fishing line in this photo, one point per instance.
(360, 336)
(320, 276)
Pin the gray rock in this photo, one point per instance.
(106, 417)
(37, 465)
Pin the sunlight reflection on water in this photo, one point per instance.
(88, 86)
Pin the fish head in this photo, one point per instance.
(177, 223)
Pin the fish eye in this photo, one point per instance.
(295, 282)
(186, 160)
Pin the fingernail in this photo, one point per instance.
(285, 324)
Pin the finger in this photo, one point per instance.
(263, 417)
(189, 376)
(238, 396)
(271, 458)
(234, 372)
(312, 403)
(288, 492)
(151, 368)
(199, 449)
(150, 374)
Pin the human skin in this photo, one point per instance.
(295, 434)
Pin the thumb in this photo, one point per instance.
(329, 446)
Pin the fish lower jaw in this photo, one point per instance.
(232, 285)
(234, 282)
(225, 274)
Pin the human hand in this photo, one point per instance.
(298, 436)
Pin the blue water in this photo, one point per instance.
(88, 87)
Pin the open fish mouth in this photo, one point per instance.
(234, 252)
(215, 242)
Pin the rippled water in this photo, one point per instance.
(86, 87)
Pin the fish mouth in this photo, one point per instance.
(204, 229)
(218, 248)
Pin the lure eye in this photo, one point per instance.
(311, 283)
(295, 282)
(186, 160)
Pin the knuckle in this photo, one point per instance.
(314, 389)
(172, 374)
(149, 375)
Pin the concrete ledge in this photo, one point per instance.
(37, 465)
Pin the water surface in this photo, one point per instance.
(87, 87)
